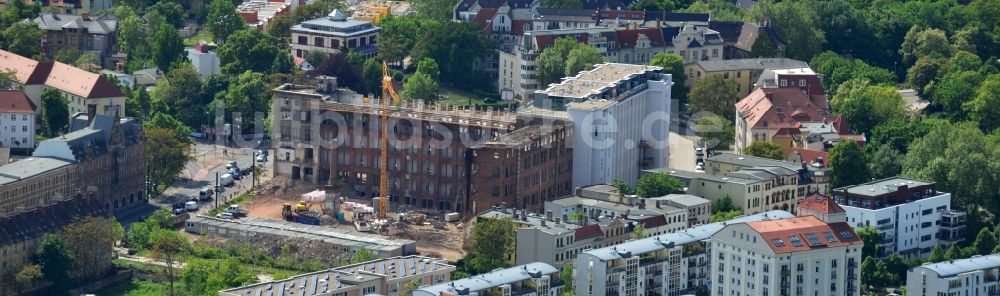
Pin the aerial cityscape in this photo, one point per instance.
(500, 147)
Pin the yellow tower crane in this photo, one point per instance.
(388, 98)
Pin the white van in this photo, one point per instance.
(191, 206)
(226, 180)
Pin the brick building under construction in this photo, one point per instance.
(440, 158)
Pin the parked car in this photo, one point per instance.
(206, 194)
(261, 152)
(226, 180)
(191, 206)
(225, 215)
(231, 164)
(246, 171)
(261, 158)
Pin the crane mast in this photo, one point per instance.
(388, 97)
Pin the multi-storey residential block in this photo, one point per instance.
(907, 213)
(547, 239)
(17, 120)
(699, 209)
(619, 113)
(979, 275)
(744, 72)
(532, 279)
(259, 13)
(794, 256)
(382, 277)
(332, 33)
(74, 7)
(744, 40)
(782, 99)
(440, 158)
(598, 201)
(813, 177)
(752, 190)
(669, 264)
(86, 92)
(90, 35)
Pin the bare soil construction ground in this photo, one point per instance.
(443, 243)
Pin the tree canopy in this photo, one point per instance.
(765, 149)
(673, 64)
(248, 50)
(866, 106)
(491, 244)
(658, 184)
(55, 111)
(848, 163)
(566, 57)
(716, 95)
(223, 21)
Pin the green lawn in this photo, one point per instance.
(457, 97)
(203, 35)
(137, 287)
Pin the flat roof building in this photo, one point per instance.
(383, 277)
(347, 243)
(529, 279)
(620, 113)
(331, 33)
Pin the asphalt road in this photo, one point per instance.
(201, 173)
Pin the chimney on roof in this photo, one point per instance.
(642, 204)
(585, 221)
(548, 215)
(85, 16)
(91, 112)
(658, 204)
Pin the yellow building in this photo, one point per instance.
(744, 72)
(373, 12)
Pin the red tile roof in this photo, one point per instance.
(59, 76)
(484, 18)
(517, 27)
(629, 38)
(26, 70)
(808, 156)
(587, 232)
(787, 231)
(81, 83)
(821, 204)
(15, 101)
(779, 107)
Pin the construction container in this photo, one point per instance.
(451, 217)
(307, 220)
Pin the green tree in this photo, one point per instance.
(937, 255)
(491, 244)
(168, 48)
(931, 43)
(372, 70)
(564, 4)
(716, 95)
(765, 149)
(871, 238)
(673, 64)
(248, 95)
(639, 231)
(430, 67)
(866, 106)
(399, 34)
(623, 187)
(658, 184)
(551, 63)
(420, 86)
(567, 276)
(55, 111)
(89, 62)
(986, 105)
(138, 102)
(848, 164)
(22, 38)
(131, 34)
(953, 253)
(717, 131)
(56, 261)
(923, 73)
(167, 244)
(166, 155)
(654, 5)
(724, 204)
(455, 46)
(23, 277)
(171, 11)
(68, 55)
(363, 255)
(796, 23)
(582, 57)
(248, 50)
(222, 20)
(181, 91)
(954, 90)
(985, 242)
(89, 239)
(438, 10)
(411, 286)
(897, 267)
(961, 159)
(886, 162)
(724, 216)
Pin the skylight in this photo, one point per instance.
(796, 242)
(777, 242)
(813, 239)
(829, 237)
(846, 235)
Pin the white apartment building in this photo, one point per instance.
(794, 256)
(906, 212)
(620, 116)
(597, 202)
(973, 276)
(17, 120)
(205, 61)
(670, 264)
(532, 279)
(547, 239)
